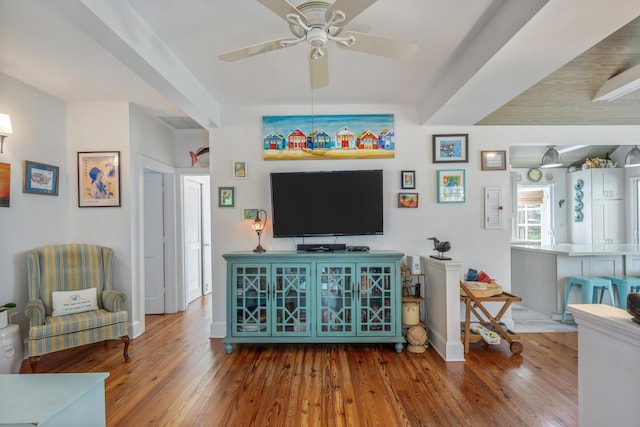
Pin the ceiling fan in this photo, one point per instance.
(317, 23)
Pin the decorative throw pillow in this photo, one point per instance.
(69, 302)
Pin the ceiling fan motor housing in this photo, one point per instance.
(317, 36)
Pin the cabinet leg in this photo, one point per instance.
(399, 347)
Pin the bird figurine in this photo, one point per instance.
(441, 247)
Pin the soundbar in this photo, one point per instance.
(325, 247)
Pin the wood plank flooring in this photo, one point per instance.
(180, 377)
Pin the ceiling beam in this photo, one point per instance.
(121, 31)
(570, 28)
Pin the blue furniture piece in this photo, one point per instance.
(625, 285)
(590, 287)
(305, 297)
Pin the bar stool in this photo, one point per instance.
(589, 286)
(625, 285)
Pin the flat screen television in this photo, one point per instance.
(336, 203)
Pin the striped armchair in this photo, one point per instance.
(68, 319)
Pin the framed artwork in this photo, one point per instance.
(239, 170)
(408, 179)
(226, 197)
(451, 186)
(40, 178)
(494, 160)
(450, 148)
(329, 137)
(5, 185)
(407, 200)
(249, 214)
(99, 179)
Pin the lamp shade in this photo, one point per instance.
(632, 158)
(5, 124)
(551, 158)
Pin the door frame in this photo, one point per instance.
(182, 174)
(172, 289)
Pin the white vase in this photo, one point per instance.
(4, 316)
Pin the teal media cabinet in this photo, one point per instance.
(307, 297)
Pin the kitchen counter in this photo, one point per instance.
(539, 273)
(608, 352)
(581, 250)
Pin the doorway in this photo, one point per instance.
(197, 235)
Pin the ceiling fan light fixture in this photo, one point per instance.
(632, 159)
(551, 158)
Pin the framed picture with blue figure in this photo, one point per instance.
(99, 179)
(451, 148)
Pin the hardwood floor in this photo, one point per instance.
(180, 377)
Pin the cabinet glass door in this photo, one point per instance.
(335, 299)
(377, 297)
(251, 299)
(291, 301)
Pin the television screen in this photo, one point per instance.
(337, 203)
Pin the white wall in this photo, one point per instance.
(189, 140)
(47, 131)
(39, 135)
(405, 230)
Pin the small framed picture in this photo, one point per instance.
(249, 214)
(99, 179)
(239, 170)
(451, 148)
(494, 160)
(5, 185)
(226, 197)
(407, 200)
(40, 178)
(451, 186)
(408, 180)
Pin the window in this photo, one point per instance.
(533, 215)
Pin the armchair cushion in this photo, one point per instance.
(69, 302)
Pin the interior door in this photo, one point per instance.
(154, 279)
(193, 238)
(206, 237)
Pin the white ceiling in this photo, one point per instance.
(473, 56)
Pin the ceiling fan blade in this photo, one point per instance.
(319, 70)
(282, 8)
(351, 8)
(378, 45)
(248, 51)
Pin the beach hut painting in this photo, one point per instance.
(330, 137)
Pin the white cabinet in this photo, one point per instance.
(607, 183)
(596, 214)
(608, 221)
